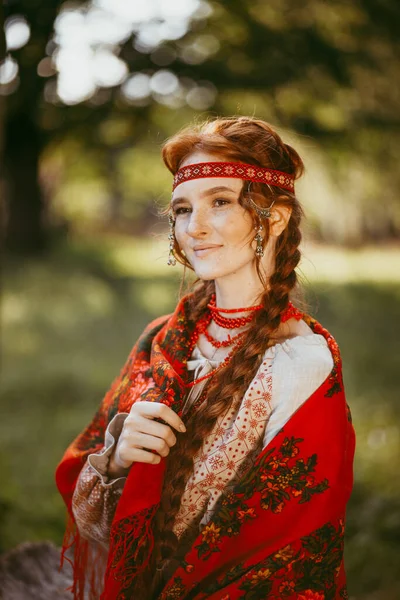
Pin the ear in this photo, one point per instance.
(279, 219)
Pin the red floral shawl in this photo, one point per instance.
(278, 534)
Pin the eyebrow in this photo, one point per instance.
(209, 192)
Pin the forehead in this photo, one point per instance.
(199, 187)
(202, 187)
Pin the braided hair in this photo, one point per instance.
(251, 141)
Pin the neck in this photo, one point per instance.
(243, 288)
(238, 292)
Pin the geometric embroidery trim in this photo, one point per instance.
(230, 449)
(237, 170)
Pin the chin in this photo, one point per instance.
(211, 274)
(206, 275)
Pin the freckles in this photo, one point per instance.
(218, 260)
(235, 227)
(180, 237)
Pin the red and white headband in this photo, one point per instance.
(237, 170)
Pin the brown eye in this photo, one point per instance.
(182, 210)
(222, 202)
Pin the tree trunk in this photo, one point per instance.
(25, 226)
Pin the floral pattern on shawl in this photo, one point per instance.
(232, 558)
(279, 477)
(306, 569)
(299, 484)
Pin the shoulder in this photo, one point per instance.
(302, 357)
(156, 324)
(292, 328)
(150, 331)
(299, 352)
(296, 367)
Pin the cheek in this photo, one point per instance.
(179, 232)
(238, 230)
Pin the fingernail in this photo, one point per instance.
(182, 427)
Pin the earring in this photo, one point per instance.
(171, 256)
(263, 213)
(259, 239)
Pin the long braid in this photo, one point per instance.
(227, 387)
(231, 383)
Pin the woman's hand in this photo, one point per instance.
(141, 433)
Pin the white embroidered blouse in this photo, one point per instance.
(290, 372)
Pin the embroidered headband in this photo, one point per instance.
(237, 170)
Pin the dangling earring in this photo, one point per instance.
(263, 213)
(171, 256)
(259, 239)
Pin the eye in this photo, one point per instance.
(181, 210)
(221, 202)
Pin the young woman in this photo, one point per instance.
(219, 464)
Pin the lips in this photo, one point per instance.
(200, 251)
(208, 247)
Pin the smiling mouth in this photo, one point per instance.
(205, 250)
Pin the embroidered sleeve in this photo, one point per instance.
(96, 496)
(300, 366)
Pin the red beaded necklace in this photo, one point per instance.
(232, 323)
(212, 306)
(194, 339)
(237, 340)
(223, 343)
(214, 342)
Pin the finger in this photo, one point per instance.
(147, 442)
(145, 457)
(157, 410)
(142, 424)
(152, 427)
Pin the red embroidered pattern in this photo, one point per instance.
(130, 549)
(291, 312)
(279, 477)
(229, 450)
(299, 484)
(237, 170)
(305, 569)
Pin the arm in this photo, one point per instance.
(124, 391)
(97, 493)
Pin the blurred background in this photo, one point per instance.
(88, 92)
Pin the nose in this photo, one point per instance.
(197, 226)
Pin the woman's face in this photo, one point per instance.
(214, 231)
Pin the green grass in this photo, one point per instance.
(69, 322)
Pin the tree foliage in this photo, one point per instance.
(324, 70)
